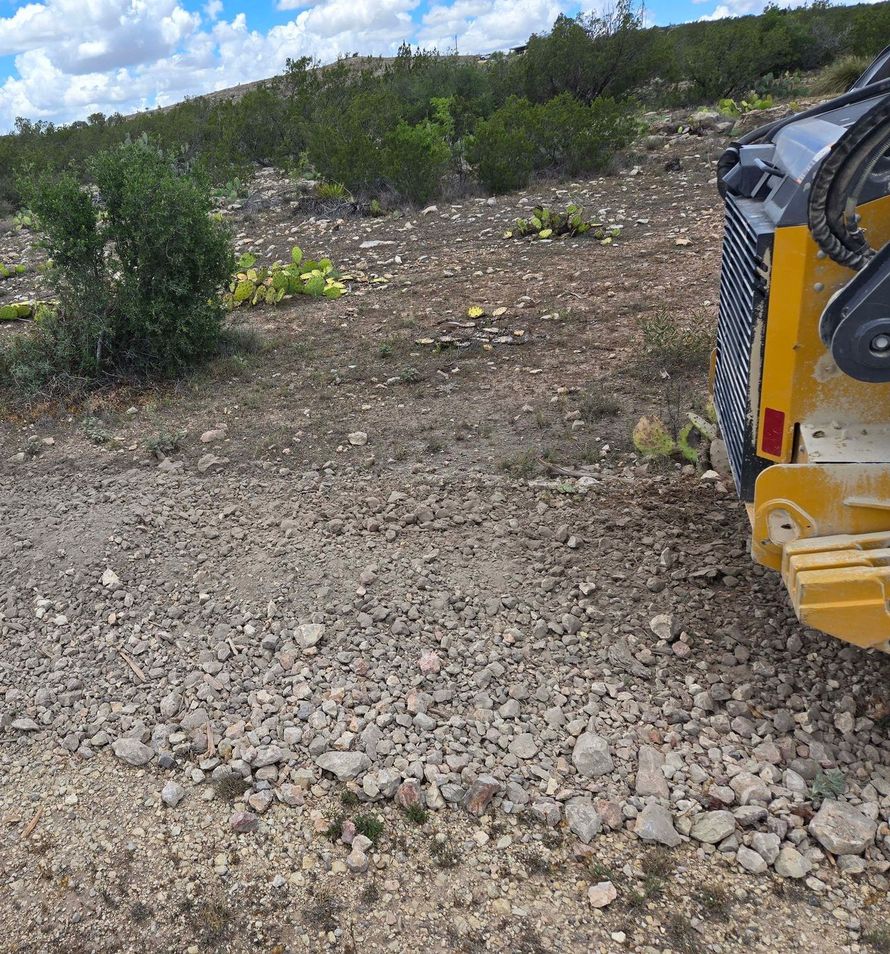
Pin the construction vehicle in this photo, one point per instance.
(801, 371)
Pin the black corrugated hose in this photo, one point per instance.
(839, 182)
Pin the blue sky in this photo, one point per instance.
(61, 60)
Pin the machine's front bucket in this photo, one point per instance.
(826, 526)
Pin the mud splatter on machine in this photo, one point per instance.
(801, 375)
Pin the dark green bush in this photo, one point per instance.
(415, 159)
(503, 149)
(348, 146)
(575, 137)
(563, 134)
(137, 273)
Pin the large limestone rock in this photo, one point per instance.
(655, 823)
(712, 827)
(650, 778)
(345, 765)
(842, 829)
(591, 755)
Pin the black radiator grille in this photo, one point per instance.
(743, 289)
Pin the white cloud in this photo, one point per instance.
(480, 26)
(74, 57)
(741, 8)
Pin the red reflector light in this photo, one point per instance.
(773, 432)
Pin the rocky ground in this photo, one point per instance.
(380, 636)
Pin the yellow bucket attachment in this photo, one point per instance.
(841, 585)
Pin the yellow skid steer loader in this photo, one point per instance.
(801, 370)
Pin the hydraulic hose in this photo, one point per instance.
(839, 182)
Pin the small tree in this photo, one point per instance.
(503, 149)
(416, 157)
(137, 271)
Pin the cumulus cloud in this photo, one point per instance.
(741, 8)
(76, 57)
(479, 26)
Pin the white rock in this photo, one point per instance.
(841, 828)
(712, 827)
(662, 625)
(601, 895)
(582, 818)
(172, 793)
(655, 823)
(132, 751)
(210, 460)
(590, 755)
(791, 863)
(345, 765)
(309, 634)
(358, 438)
(110, 579)
(523, 746)
(750, 860)
(650, 778)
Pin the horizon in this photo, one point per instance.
(128, 56)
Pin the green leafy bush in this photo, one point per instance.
(503, 149)
(415, 159)
(574, 137)
(136, 277)
(563, 134)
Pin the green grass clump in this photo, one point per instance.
(839, 76)
(370, 826)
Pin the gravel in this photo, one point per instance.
(306, 623)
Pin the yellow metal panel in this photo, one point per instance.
(800, 501)
(799, 376)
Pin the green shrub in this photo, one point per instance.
(503, 149)
(840, 75)
(346, 145)
(563, 134)
(575, 137)
(137, 281)
(415, 159)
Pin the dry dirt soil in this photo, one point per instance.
(493, 521)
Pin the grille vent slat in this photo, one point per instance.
(747, 237)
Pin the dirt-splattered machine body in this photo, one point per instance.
(801, 376)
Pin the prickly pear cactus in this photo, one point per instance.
(547, 224)
(256, 284)
(652, 438)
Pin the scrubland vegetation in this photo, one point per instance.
(408, 127)
(142, 269)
